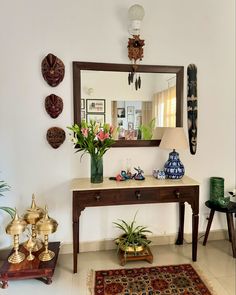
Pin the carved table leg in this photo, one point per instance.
(180, 237)
(75, 245)
(232, 233)
(150, 259)
(48, 280)
(77, 234)
(4, 284)
(195, 219)
(228, 223)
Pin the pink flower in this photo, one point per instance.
(84, 132)
(102, 135)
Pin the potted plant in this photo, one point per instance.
(133, 239)
(3, 188)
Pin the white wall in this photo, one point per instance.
(176, 33)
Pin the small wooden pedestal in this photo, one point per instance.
(30, 269)
(146, 254)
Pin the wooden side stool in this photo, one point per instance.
(229, 211)
(146, 254)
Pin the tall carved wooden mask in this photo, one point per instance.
(53, 70)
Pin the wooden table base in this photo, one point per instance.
(146, 254)
(43, 270)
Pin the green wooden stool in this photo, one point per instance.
(229, 211)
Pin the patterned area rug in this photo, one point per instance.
(172, 279)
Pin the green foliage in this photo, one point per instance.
(92, 138)
(3, 188)
(133, 236)
(147, 130)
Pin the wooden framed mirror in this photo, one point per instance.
(101, 91)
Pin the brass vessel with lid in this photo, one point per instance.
(32, 215)
(15, 228)
(46, 226)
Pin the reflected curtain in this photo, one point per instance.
(114, 115)
(164, 109)
(146, 112)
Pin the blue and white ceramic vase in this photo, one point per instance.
(174, 169)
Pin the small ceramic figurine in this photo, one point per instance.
(126, 175)
(139, 174)
(159, 174)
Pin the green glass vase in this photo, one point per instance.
(96, 169)
(217, 192)
(216, 189)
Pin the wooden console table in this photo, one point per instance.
(151, 190)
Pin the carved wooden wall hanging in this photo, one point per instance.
(53, 105)
(55, 136)
(135, 48)
(135, 53)
(192, 107)
(53, 70)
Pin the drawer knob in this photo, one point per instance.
(177, 194)
(98, 197)
(138, 195)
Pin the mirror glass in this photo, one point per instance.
(142, 112)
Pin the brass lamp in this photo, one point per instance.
(46, 226)
(15, 228)
(32, 215)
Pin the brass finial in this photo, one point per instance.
(33, 204)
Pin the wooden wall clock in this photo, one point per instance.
(53, 70)
(135, 48)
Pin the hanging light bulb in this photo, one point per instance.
(135, 14)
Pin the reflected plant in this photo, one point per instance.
(147, 130)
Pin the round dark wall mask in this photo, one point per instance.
(55, 136)
(53, 105)
(53, 70)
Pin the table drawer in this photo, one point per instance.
(170, 194)
(134, 196)
(118, 197)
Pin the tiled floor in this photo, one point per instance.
(215, 262)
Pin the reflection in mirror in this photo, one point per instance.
(102, 93)
(130, 110)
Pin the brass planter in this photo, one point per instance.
(131, 248)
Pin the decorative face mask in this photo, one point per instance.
(53, 105)
(55, 136)
(53, 70)
(192, 107)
